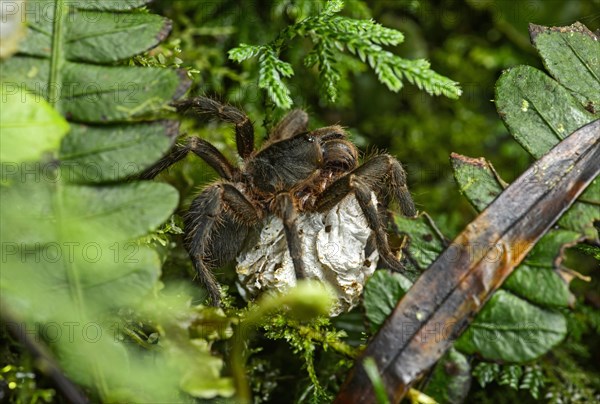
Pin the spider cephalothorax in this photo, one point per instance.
(295, 173)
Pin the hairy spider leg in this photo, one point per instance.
(206, 212)
(380, 169)
(361, 182)
(202, 149)
(291, 125)
(287, 212)
(244, 130)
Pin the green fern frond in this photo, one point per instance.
(329, 75)
(486, 373)
(271, 68)
(533, 381)
(333, 6)
(510, 376)
(417, 72)
(244, 52)
(331, 35)
(367, 31)
(530, 378)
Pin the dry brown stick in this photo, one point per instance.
(445, 299)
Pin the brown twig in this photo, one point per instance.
(456, 286)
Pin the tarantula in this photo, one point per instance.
(295, 172)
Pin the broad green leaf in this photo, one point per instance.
(424, 245)
(92, 93)
(476, 179)
(451, 378)
(87, 92)
(382, 292)
(26, 192)
(95, 154)
(74, 243)
(69, 261)
(571, 56)
(24, 73)
(96, 93)
(510, 329)
(537, 110)
(137, 207)
(45, 8)
(584, 213)
(548, 249)
(131, 375)
(536, 280)
(85, 213)
(203, 379)
(64, 288)
(541, 286)
(29, 127)
(92, 347)
(114, 5)
(107, 94)
(108, 275)
(97, 37)
(106, 37)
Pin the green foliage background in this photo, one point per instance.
(470, 42)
